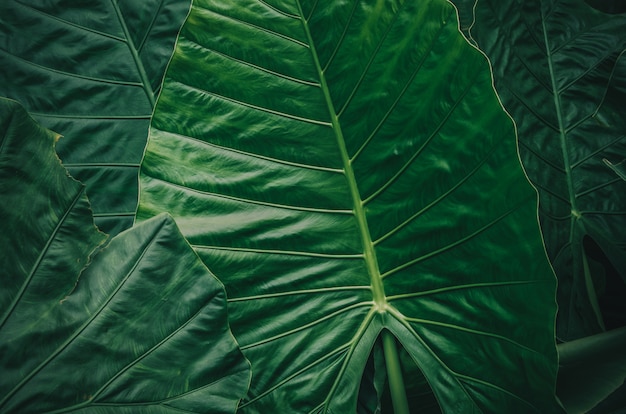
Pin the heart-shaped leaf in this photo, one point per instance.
(346, 169)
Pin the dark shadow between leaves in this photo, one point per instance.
(374, 393)
(608, 6)
(610, 287)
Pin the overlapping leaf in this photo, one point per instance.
(142, 330)
(465, 9)
(592, 372)
(346, 168)
(560, 69)
(90, 70)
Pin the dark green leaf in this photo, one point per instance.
(142, 330)
(44, 212)
(560, 69)
(608, 6)
(344, 168)
(591, 370)
(90, 70)
(465, 10)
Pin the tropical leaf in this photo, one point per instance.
(592, 373)
(90, 70)
(560, 70)
(142, 330)
(346, 169)
(43, 212)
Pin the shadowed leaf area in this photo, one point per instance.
(91, 70)
(560, 69)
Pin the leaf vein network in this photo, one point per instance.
(252, 26)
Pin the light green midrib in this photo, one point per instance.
(359, 211)
(145, 81)
(562, 134)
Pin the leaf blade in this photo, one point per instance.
(55, 55)
(569, 55)
(136, 332)
(301, 282)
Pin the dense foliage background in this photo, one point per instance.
(348, 173)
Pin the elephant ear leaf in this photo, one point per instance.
(560, 69)
(141, 328)
(91, 70)
(346, 169)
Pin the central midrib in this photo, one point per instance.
(371, 261)
(145, 81)
(562, 134)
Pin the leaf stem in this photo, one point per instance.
(394, 373)
(556, 94)
(591, 290)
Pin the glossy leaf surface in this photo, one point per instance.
(142, 330)
(90, 70)
(560, 70)
(344, 168)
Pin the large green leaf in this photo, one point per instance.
(142, 330)
(560, 69)
(346, 169)
(90, 70)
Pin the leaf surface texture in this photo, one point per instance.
(91, 71)
(560, 69)
(344, 168)
(142, 330)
